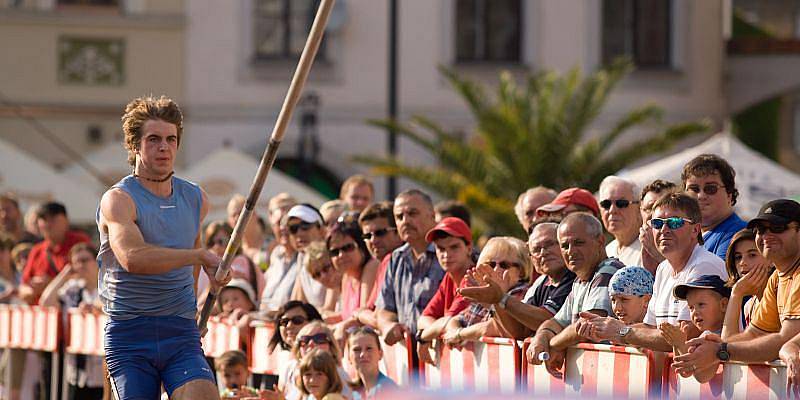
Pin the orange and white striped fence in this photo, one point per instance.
(223, 336)
(30, 327)
(490, 365)
(262, 361)
(86, 332)
(732, 381)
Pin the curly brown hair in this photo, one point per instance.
(143, 109)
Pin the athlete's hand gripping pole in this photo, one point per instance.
(285, 115)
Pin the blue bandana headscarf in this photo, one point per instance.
(633, 280)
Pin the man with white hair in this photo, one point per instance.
(619, 209)
(527, 203)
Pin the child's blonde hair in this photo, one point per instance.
(322, 361)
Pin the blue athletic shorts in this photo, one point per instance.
(144, 352)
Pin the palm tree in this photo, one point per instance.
(528, 135)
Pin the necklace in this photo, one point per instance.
(155, 180)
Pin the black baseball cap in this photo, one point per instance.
(777, 212)
(712, 282)
(50, 208)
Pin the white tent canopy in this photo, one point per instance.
(758, 178)
(110, 160)
(35, 182)
(227, 172)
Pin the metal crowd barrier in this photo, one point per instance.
(490, 365)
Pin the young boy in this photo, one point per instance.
(232, 369)
(707, 298)
(630, 289)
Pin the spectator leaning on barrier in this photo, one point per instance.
(651, 257)
(619, 210)
(776, 321)
(677, 234)
(529, 201)
(453, 240)
(748, 272)
(518, 318)
(702, 178)
(414, 273)
(580, 236)
(49, 256)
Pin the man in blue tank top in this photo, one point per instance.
(150, 257)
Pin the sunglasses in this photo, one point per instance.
(710, 189)
(303, 226)
(620, 203)
(763, 229)
(344, 249)
(296, 320)
(379, 233)
(672, 223)
(320, 338)
(324, 270)
(502, 264)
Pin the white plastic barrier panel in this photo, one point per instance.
(491, 365)
(732, 381)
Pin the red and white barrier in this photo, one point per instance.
(262, 361)
(30, 327)
(537, 380)
(733, 381)
(489, 365)
(222, 336)
(86, 332)
(605, 371)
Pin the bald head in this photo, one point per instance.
(527, 203)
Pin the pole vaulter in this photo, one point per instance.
(285, 115)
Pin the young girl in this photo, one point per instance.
(318, 378)
(76, 286)
(365, 354)
(748, 272)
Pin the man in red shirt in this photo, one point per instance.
(453, 240)
(49, 256)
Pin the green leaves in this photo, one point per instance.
(526, 135)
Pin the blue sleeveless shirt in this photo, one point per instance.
(171, 222)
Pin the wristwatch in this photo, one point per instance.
(418, 337)
(503, 301)
(722, 352)
(624, 331)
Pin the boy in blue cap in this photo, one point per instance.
(707, 299)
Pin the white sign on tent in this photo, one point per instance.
(758, 178)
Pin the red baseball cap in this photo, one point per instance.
(578, 196)
(452, 226)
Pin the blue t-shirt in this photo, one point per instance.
(718, 239)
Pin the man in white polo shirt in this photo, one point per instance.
(676, 228)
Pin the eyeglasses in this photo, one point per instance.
(296, 320)
(709, 189)
(324, 270)
(379, 233)
(304, 226)
(502, 264)
(319, 338)
(672, 223)
(344, 249)
(763, 229)
(620, 203)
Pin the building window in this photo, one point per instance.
(488, 31)
(639, 29)
(281, 28)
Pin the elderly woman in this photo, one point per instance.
(506, 260)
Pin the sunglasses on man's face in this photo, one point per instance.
(344, 249)
(296, 320)
(709, 189)
(304, 226)
(620, 203)
(763, 229)
(501, 264)
(319, 338)
(377, 234)
(672, 223)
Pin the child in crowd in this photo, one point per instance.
(236, 303)
(364, 351)
(630, 289)
(232, 368)
(707, 299)
(318, 376)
